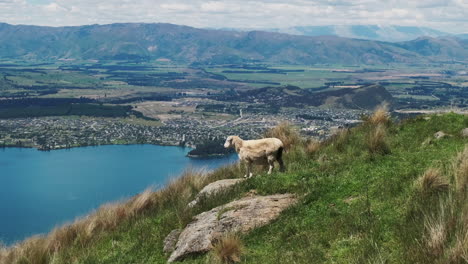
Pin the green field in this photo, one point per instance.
(413, 87)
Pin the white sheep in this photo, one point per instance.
(260, 151)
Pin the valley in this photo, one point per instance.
(159, 102)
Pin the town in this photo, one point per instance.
(49, 133)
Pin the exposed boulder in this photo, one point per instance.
(171, 240)
(464, 133)
(214, 188)
(238, 216)
(439, 135)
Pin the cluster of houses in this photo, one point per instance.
(48, 133)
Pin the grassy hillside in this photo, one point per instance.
(378, 193)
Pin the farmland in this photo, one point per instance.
(199, 102)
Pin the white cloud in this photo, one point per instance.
(216, 7)
(53, 7)
(447, 15)
(175, 7)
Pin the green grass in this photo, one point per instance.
(354, 205)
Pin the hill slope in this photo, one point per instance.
(381, 192)
(192, 45)
(365, 97)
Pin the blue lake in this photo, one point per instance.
(40, 190)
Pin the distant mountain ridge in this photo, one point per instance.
(391, 33)
(202, 46)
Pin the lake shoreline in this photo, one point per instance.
(97, 145)
(208, 156)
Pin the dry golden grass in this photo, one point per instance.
(377, 140)
(33, 250)
(138, 204)
(313, 146)
(380, 115)
(459, 252)
(228, 249)
(338, 140)
(432, 181)
(436, 236)
(286, 133)
(61, 237)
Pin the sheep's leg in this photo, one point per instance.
(248, 167)
(271, 162)
(246, 170)
(281, 164)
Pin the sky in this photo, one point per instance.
(446, 15)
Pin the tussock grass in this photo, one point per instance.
(444, 237)
(286, 133)
(339, 140)
(377, 141)
(436, 234)
(312, 147)
(228, 249)
(432, 182)
(380, 116)
(459, 252)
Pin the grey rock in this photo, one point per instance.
(238, 216)
(214, 188)
(464, 133)
(171, 240)
(439, 135)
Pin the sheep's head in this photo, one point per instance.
(233, 142)
(229, 142)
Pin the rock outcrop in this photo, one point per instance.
(214, 188)
(439, 135)
(238, 216)
(171, 240)
(464, 133)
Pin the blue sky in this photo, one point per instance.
(446, 15)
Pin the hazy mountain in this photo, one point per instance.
(371, 32)
(438, 48)
(192, 45)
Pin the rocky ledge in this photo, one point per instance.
(214, 188)
(238, 216)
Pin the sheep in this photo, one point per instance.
(260, 151)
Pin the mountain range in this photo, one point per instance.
(204, 46)
(391, 33)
